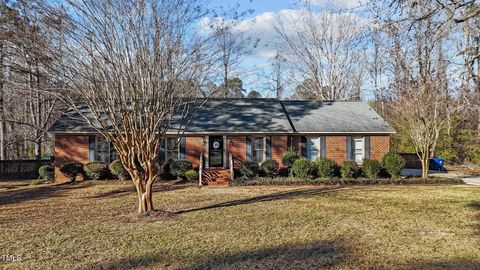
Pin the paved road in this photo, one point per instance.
(470, 180)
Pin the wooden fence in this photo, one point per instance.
(21, 169)
(412, 161)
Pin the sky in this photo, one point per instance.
(260, 24)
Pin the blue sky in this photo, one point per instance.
(255, 69)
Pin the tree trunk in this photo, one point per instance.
(425, 158)
(145, 202)
(2, 123)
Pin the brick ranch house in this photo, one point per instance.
(247, 130)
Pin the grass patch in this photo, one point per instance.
(292, 181)
(91, 225)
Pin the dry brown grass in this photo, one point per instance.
(90, 225)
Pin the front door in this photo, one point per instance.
(215, 151)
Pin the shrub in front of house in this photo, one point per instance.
(294, 181)
(46, 172)
(270, 168)
(118, 170)
(96, 170)
(191, 175)
(179, 167)
(72, 170)
(371, 168)
(289, 158)
(349, 169)
(326, 168)
(303, 168)
(249, 170)
(393, 163)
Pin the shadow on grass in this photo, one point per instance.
(130, 189)
(38, 193)
(284, 195)
(319, 255)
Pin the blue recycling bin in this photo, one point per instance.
(437, 164)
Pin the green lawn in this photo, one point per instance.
(90, 225)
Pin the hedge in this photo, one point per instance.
(293, 181)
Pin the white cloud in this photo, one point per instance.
(263, 25)
(342, 4)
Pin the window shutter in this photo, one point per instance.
(304, 146)
(161, 155)
(349, 148)
(289, 142)
(323, 147)
(248, 140)
(91, 148)
(113, 152)
(367, 147)
(268, 147)
(183, 148)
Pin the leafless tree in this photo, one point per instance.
(232, 46)
(424, 101)
(325, 49)
(125, 65)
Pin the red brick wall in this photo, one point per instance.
(279, 147)
(379, 146)
(69, 148)
(336, 148)
(237, 146)
(194, 147)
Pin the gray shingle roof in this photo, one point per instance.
(335, 117)
(263, 116)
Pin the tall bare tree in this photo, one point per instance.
(232, 46)
(325, 50)
(125, 65)
(424, 101)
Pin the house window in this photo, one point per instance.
(104, 151)
(173, 148)
(258, 149)
(313, 148)
(359, 149)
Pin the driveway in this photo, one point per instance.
(469, 179)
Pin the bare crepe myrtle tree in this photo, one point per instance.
(127, 65)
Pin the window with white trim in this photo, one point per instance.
(313, 148)
(173, 148)
(358, 147)
(104, 151)
(258, 149)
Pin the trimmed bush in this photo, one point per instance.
(303, 168)
(289, 158)
(116, 168)
(326, 168)
(179, 167)
(46, 172)
(371, 168)
(191, 175)
(270, 167)
(249, 170)
(292, 181)
(349, 169)
(393, 163)
(72, 170)
(96, 170)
